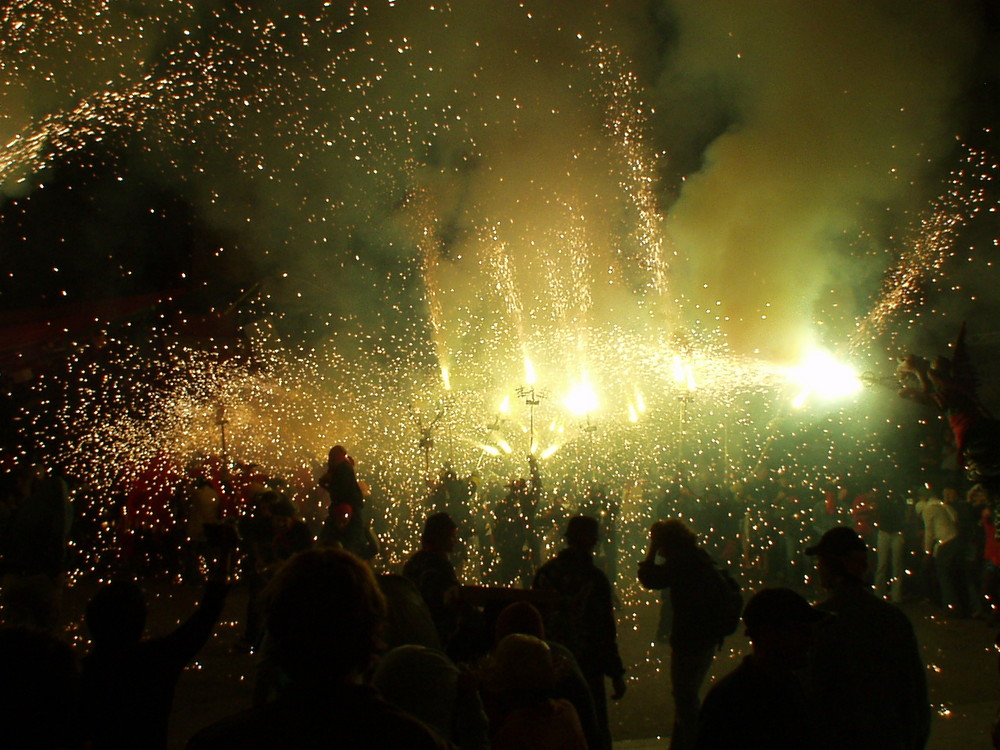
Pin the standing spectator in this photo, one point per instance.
(34, 525)
(583, 618)
(431, 571)
(864, 515)
(762, 705)
(524, 677)
(944, 550)
(270, 535)
(676, 562)
(890, 525)
(323, 611)
(205, 507)
(522, 617)
(425, 683)
(991, 554)
(128, 683)
(39, 691)
(864, 678)
(971, 544)
(342, 484)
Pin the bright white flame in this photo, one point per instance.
(505, 446)
(823, 375)
(505, 405)
(549, 451)
(490, 449)
(640, 403)
(446, 378)
(581, 400)
(529, 371)
(679, 371)
(684, 373)
(633, 414)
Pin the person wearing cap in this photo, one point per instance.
(583, 617)
(431, 571)
(761, 705)
(864, 678)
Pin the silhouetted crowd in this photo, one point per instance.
(528, 657)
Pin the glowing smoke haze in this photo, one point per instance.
(838, 110)
(592, 188)
(486, 137)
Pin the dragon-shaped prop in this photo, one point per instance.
(951, 386)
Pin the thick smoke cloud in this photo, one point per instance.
(501, 154)
(838, 112)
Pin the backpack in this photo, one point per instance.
(725, 604)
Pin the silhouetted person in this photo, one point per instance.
(523, 617)
(129, 682)
(583, 617)
(890, 523)
(530, 719)
(676, 562)
(204, 508)
(762, 705)
(431, 571)
(425, 683)
(408, 620)
(322, 612)
(34, 521)
(270, 535)
(864, 678)
(342, 484)
(39, 691)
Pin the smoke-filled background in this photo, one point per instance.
(650, 212)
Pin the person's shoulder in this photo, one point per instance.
(564, 711)
(254, 728)
(599, 576)
(860, 603)
(417, 560)
(280, 724)
(400, 730)
(692, 560)
(736, 681)
(545, 567)
(891, 613)
(553, 565)
(561, 706)
(364, 711)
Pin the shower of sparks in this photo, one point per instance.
(626, 119)
(930, 246)
(430, 256)
(361, 127)
(502, 272)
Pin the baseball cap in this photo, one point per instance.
(837, 542)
